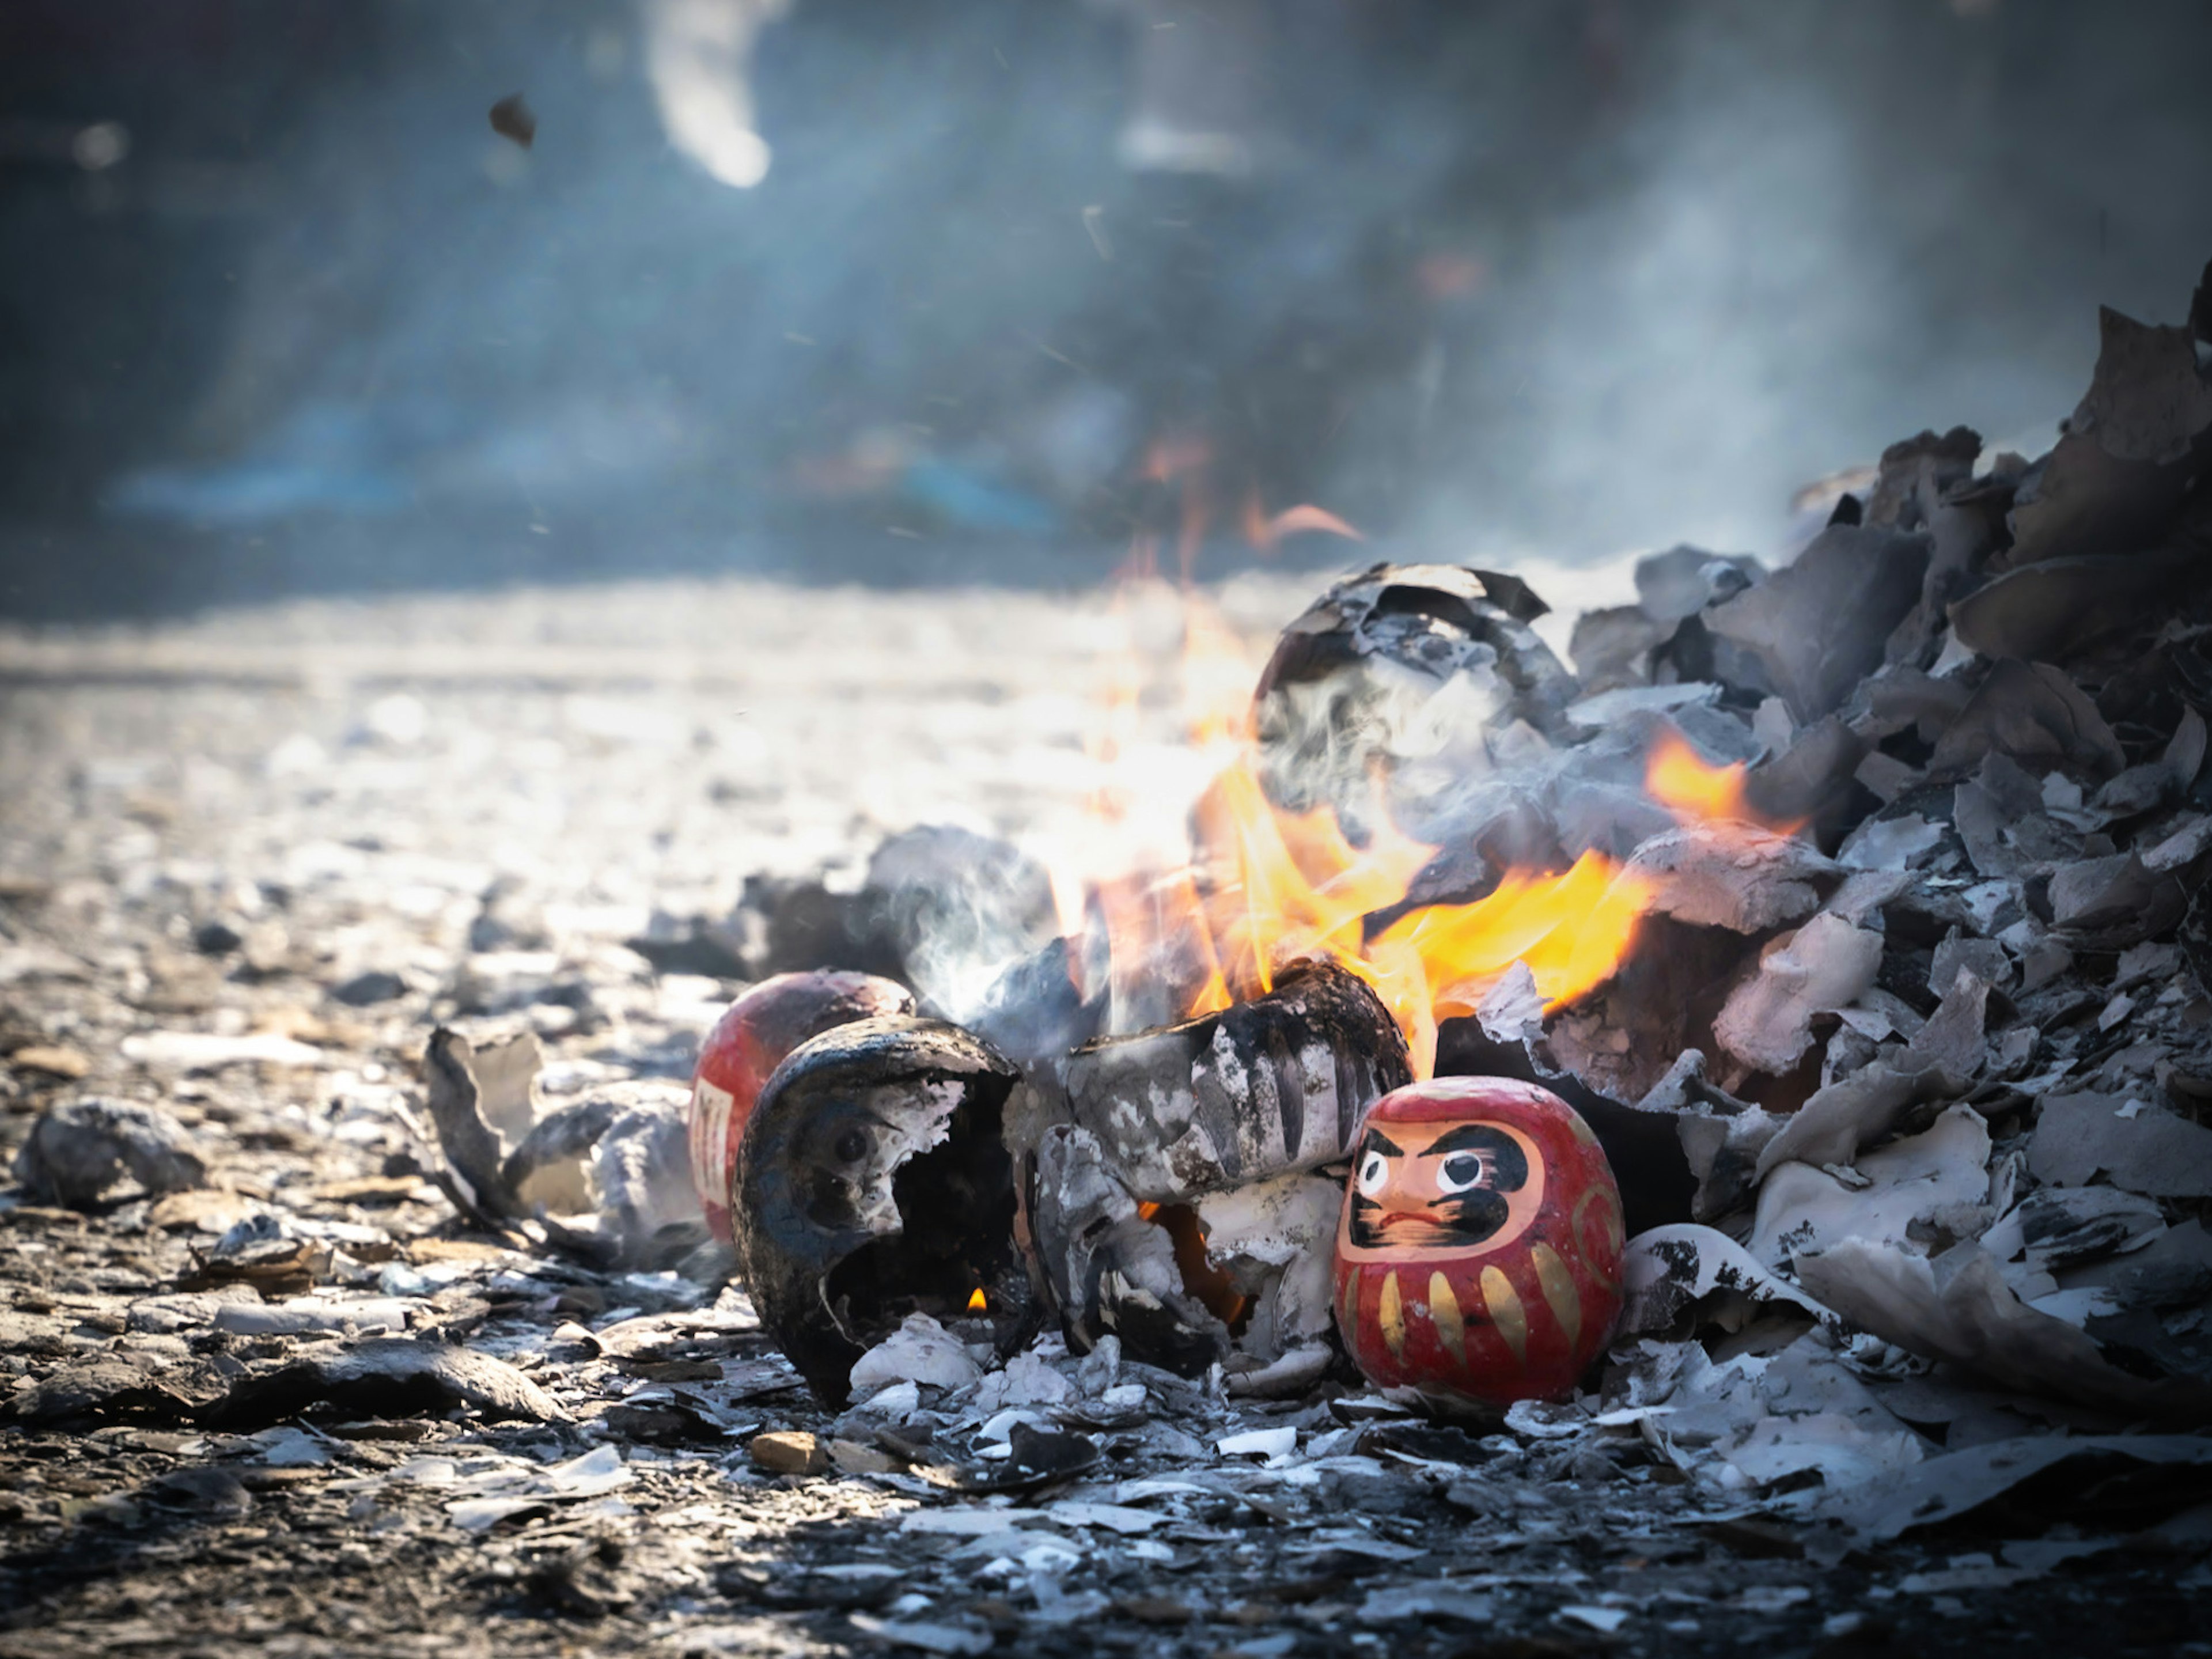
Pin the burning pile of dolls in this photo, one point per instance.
(1168, 1190)
(1821, 965)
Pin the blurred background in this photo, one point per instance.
(927, 291)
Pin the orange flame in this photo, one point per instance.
(1698, 793)
(1266, 534)
(977, 1303)
(1691, 790)
(1267, 888)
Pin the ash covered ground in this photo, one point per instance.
(251, 861)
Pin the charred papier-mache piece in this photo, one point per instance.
(874, 1182)
(1432, 669)
(1170, 1179)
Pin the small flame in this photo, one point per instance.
(1266, 534)
(976, 1302)
(1691, 790)
(1698, 793)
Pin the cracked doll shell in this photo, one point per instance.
(1477, 1252)
(754, 1036)
(874, 1182)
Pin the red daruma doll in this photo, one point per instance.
(1478, 1258)
(747, 1044)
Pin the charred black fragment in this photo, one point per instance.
(512, 119)
(874, 1182)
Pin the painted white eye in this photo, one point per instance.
(1460, 1172)
(1374, 1171)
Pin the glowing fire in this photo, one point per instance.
(1247, 889)
(1679, 780)
(1696, 792)
(1266, 888)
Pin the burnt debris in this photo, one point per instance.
(874, 1182)
(1170, 1176)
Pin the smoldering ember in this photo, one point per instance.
(388, 1271)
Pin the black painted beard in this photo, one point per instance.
(1468, 1218)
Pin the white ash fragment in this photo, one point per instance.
(2161, 1270)
(2031, 713)
(1512, 1010)
(642, 1186)
(204, 1051)
(2147, 964)
(2181, 847)
(1943, 1489)
(2149, 1149)
(1297, 1369)
(508, 1161)
(1903, 842)
(1273, 1239)
(1684, 579)
(1954, 1038)
(1745, 1423)
(1824, 965)
(1830, 1126)
(1863, 894)
(302, 1314)
(1958, 1307)
(1733, 876)
(1028, 1379)
(1667, 1270)
(1940, 1176)
(2109, 903)
(1608, 709)
(78, 1150)
(1986, 959)
(920, 1350)
(1721, 1136)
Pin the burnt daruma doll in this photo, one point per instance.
(749, 1041)
(1478, 1257)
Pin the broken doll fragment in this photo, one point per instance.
(749, 1041)
(1478, 1250)
(1169, 1175)
(874, 1182)
(78, 1150)
(606, 1177)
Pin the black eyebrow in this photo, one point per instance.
(1468, 1138)
(1379, 1142)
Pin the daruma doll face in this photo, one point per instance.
(1478, 1258)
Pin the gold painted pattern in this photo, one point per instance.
(1559, 1293)
(1391, 1315)
(1443, 1308)
(1581, 1241)
(1506, 1312)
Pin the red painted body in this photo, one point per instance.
(749, 1041)
(1477, 1255)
